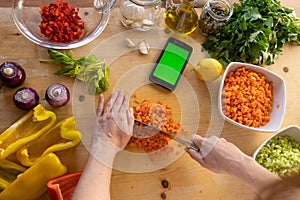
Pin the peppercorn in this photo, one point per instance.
(165, 183)
(163, 195)
(81, 98)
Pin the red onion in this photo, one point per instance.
(26, 98)
(57, 95)
(12, 74)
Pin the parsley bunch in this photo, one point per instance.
(87, 69)
(255, 33)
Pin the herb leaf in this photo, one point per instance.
(87, 69)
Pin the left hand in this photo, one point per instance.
(115, 119)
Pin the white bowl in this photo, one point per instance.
(292, 131)
(279, 97)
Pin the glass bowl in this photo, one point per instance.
(94, 13)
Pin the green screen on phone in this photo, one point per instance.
(171, 63)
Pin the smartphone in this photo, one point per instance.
(171, 63)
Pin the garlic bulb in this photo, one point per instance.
(132, 11)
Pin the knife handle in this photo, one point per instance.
(194, 147)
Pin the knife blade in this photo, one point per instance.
(188, 144)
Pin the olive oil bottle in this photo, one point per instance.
(181, 17)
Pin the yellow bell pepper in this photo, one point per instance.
(33, 182)
(9, 172)
(26, 129)
(62, 136)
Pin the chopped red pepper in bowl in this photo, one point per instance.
(61, 24)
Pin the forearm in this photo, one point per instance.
(94, 182)
(114, 129)
(256, 176)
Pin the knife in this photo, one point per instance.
(189, 144)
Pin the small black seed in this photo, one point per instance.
(285, 69)
(86, 13)
(165, 183)
(163, 195)
(81, 98)
(167, 31)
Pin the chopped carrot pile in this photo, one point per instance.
(155, 114)
(247, 97)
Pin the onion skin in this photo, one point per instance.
(12, 74)
(57, 95)
(26, 98)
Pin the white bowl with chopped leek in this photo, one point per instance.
(280, 153)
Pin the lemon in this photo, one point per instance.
(208, 69)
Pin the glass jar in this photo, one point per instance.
(214, 15)
(199, 3)
(181, 17)
(140, 14)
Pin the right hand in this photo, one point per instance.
(217, 155)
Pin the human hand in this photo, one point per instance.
(115, 120)
(217, 155)
(114, 129)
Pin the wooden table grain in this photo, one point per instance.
(187, 180)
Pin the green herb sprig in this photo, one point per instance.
(87, 69)
(256, 33)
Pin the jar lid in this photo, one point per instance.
(145, 2)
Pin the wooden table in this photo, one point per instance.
(186, 178)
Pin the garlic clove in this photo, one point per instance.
(127, 22)
(129, 43)
(136, 25)
(145, 28)
(144, 47)
(148, 22)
